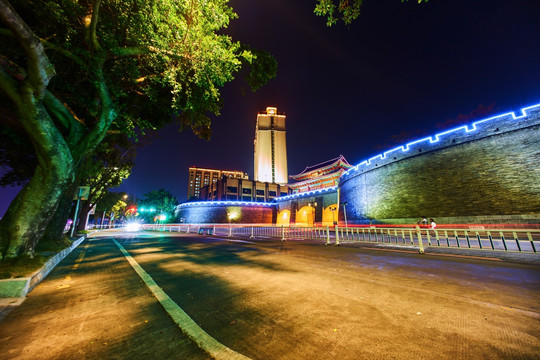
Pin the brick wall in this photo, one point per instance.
(217, 214)
(489, 179)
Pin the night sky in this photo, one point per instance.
(399, 72)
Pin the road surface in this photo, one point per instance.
(265, 299)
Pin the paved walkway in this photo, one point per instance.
(94, 305)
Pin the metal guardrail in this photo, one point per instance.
(518, 240)
(476, 237)
(253, 231)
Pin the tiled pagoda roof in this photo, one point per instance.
(324, 168)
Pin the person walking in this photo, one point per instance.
(422, 222)
(432, 226)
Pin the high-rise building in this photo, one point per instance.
(199, 177)
(270, 147)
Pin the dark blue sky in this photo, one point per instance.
(400, 69)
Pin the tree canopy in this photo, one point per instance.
(161, 201)
(73, 70)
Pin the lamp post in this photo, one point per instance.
(333, 216)
(230, 215)
(344, 211)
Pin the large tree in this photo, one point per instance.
(72, 70)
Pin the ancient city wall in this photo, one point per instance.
(485, 173)
(217, 213)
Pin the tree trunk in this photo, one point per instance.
(29, 213)
(55, 228)
(84, 209)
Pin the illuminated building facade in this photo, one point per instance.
(199, 177)
(320, 176)
(237, 189)
(270, 148)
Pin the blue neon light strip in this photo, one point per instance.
(247, 203)
(437, 137)
(308, 193)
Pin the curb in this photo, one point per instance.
(20, 287)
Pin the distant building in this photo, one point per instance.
(235, 189)
(270, 148)
(320, 176)
(199, 177)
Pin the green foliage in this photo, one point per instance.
(263, 67)
(162, 201)
(108, 166)
(110, 200)
(346, 10)
(72, 70)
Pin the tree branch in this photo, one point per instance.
(40, 70)
(66, 118)
(93, 26)
(106, 116)
(68, 54)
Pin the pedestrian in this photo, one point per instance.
(433, 225)
(422, 222)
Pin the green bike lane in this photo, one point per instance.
(268, 300)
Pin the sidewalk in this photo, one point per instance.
(92, 306)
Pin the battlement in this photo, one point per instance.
(499, 124)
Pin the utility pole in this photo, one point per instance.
(344, 212)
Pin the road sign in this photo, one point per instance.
(82, 193)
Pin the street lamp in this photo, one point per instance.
(230, 216)
(333, 216)
(344, 211)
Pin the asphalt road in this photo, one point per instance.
(270, 300)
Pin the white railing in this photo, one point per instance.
(475, 237)
(465, 237)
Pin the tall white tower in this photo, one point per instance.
(271, 147)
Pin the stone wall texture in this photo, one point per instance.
(217, 214)
(491, 175)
